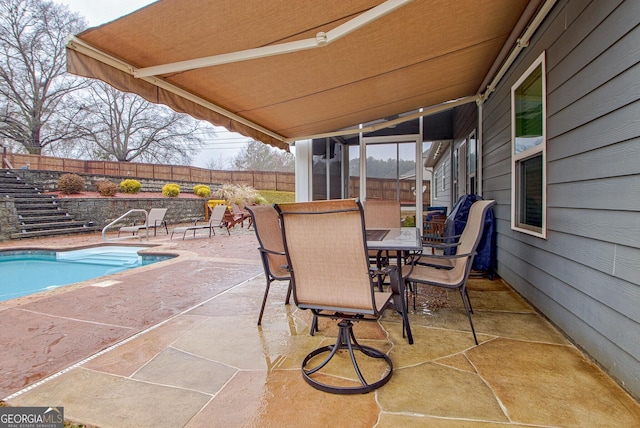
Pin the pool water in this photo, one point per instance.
(25, 272)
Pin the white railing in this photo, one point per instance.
(146, 220)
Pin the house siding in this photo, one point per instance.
(585, 277)
(465, 121)
(442, 197)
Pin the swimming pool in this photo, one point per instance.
(24, 272)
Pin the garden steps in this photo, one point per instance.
(38, 215)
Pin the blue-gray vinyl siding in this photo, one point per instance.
(585, 277)
(442, 195)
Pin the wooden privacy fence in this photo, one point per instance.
(262, 180)
(390, 189)
(378, 188)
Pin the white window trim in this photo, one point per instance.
(541, 148)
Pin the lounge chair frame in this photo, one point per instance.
(215, 220)
(155, 219)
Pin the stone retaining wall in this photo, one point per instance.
(8, 213)
(102, 211)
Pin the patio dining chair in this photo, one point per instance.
(325, 246)
(266, 224)
(452, 271)
(381, 214)
(433, 230)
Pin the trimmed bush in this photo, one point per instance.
(130, 186)
(202, 190)
(106, 187)
(70, 183)
(171, 190)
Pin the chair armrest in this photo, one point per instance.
(444, 257)
(441, 238)
(440, 246)
(278, 253)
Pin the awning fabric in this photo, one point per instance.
(422, 53)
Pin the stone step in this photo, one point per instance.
(52, 225)
(45, 218)
(42, 233)
(36, 206)
(38, 214)
(26, 193)
(8, 178)
(35, 201)
(41, 213)
(13, 190)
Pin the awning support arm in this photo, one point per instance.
(321, 39)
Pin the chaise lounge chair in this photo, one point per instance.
(215, 220)
(155, 219)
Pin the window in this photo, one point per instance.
(472, 163)
(435, 184)
(454, 174)
(528, 155)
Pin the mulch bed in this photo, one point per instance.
(121, 195)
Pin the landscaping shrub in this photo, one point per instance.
(130, 186)
(70, 183)
(202, 190)
(239, 194)
(106, 187)
(171, 190)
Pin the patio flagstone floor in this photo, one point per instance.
(176, 344)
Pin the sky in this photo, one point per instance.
(98, 12)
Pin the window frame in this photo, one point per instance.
(472, 161)
(518, 159)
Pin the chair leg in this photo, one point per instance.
(314, 325)
(466, 292)
(286, 302)
(400, 301)
(264, 301)
(346, 340)
(467, 306)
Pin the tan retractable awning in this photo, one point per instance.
(282, 70)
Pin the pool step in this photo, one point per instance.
(106, 259)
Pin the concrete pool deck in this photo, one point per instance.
(176, 344)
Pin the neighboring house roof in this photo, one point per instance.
(412, 54)
(435, 153)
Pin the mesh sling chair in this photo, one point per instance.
(215, 220)
(325, 245)
(266, 224)
(155, 219)
(452, 271)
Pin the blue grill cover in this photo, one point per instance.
(486, 258)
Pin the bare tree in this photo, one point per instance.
(258, 156)
(220, 163)
(34, 107)
(125, 127)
